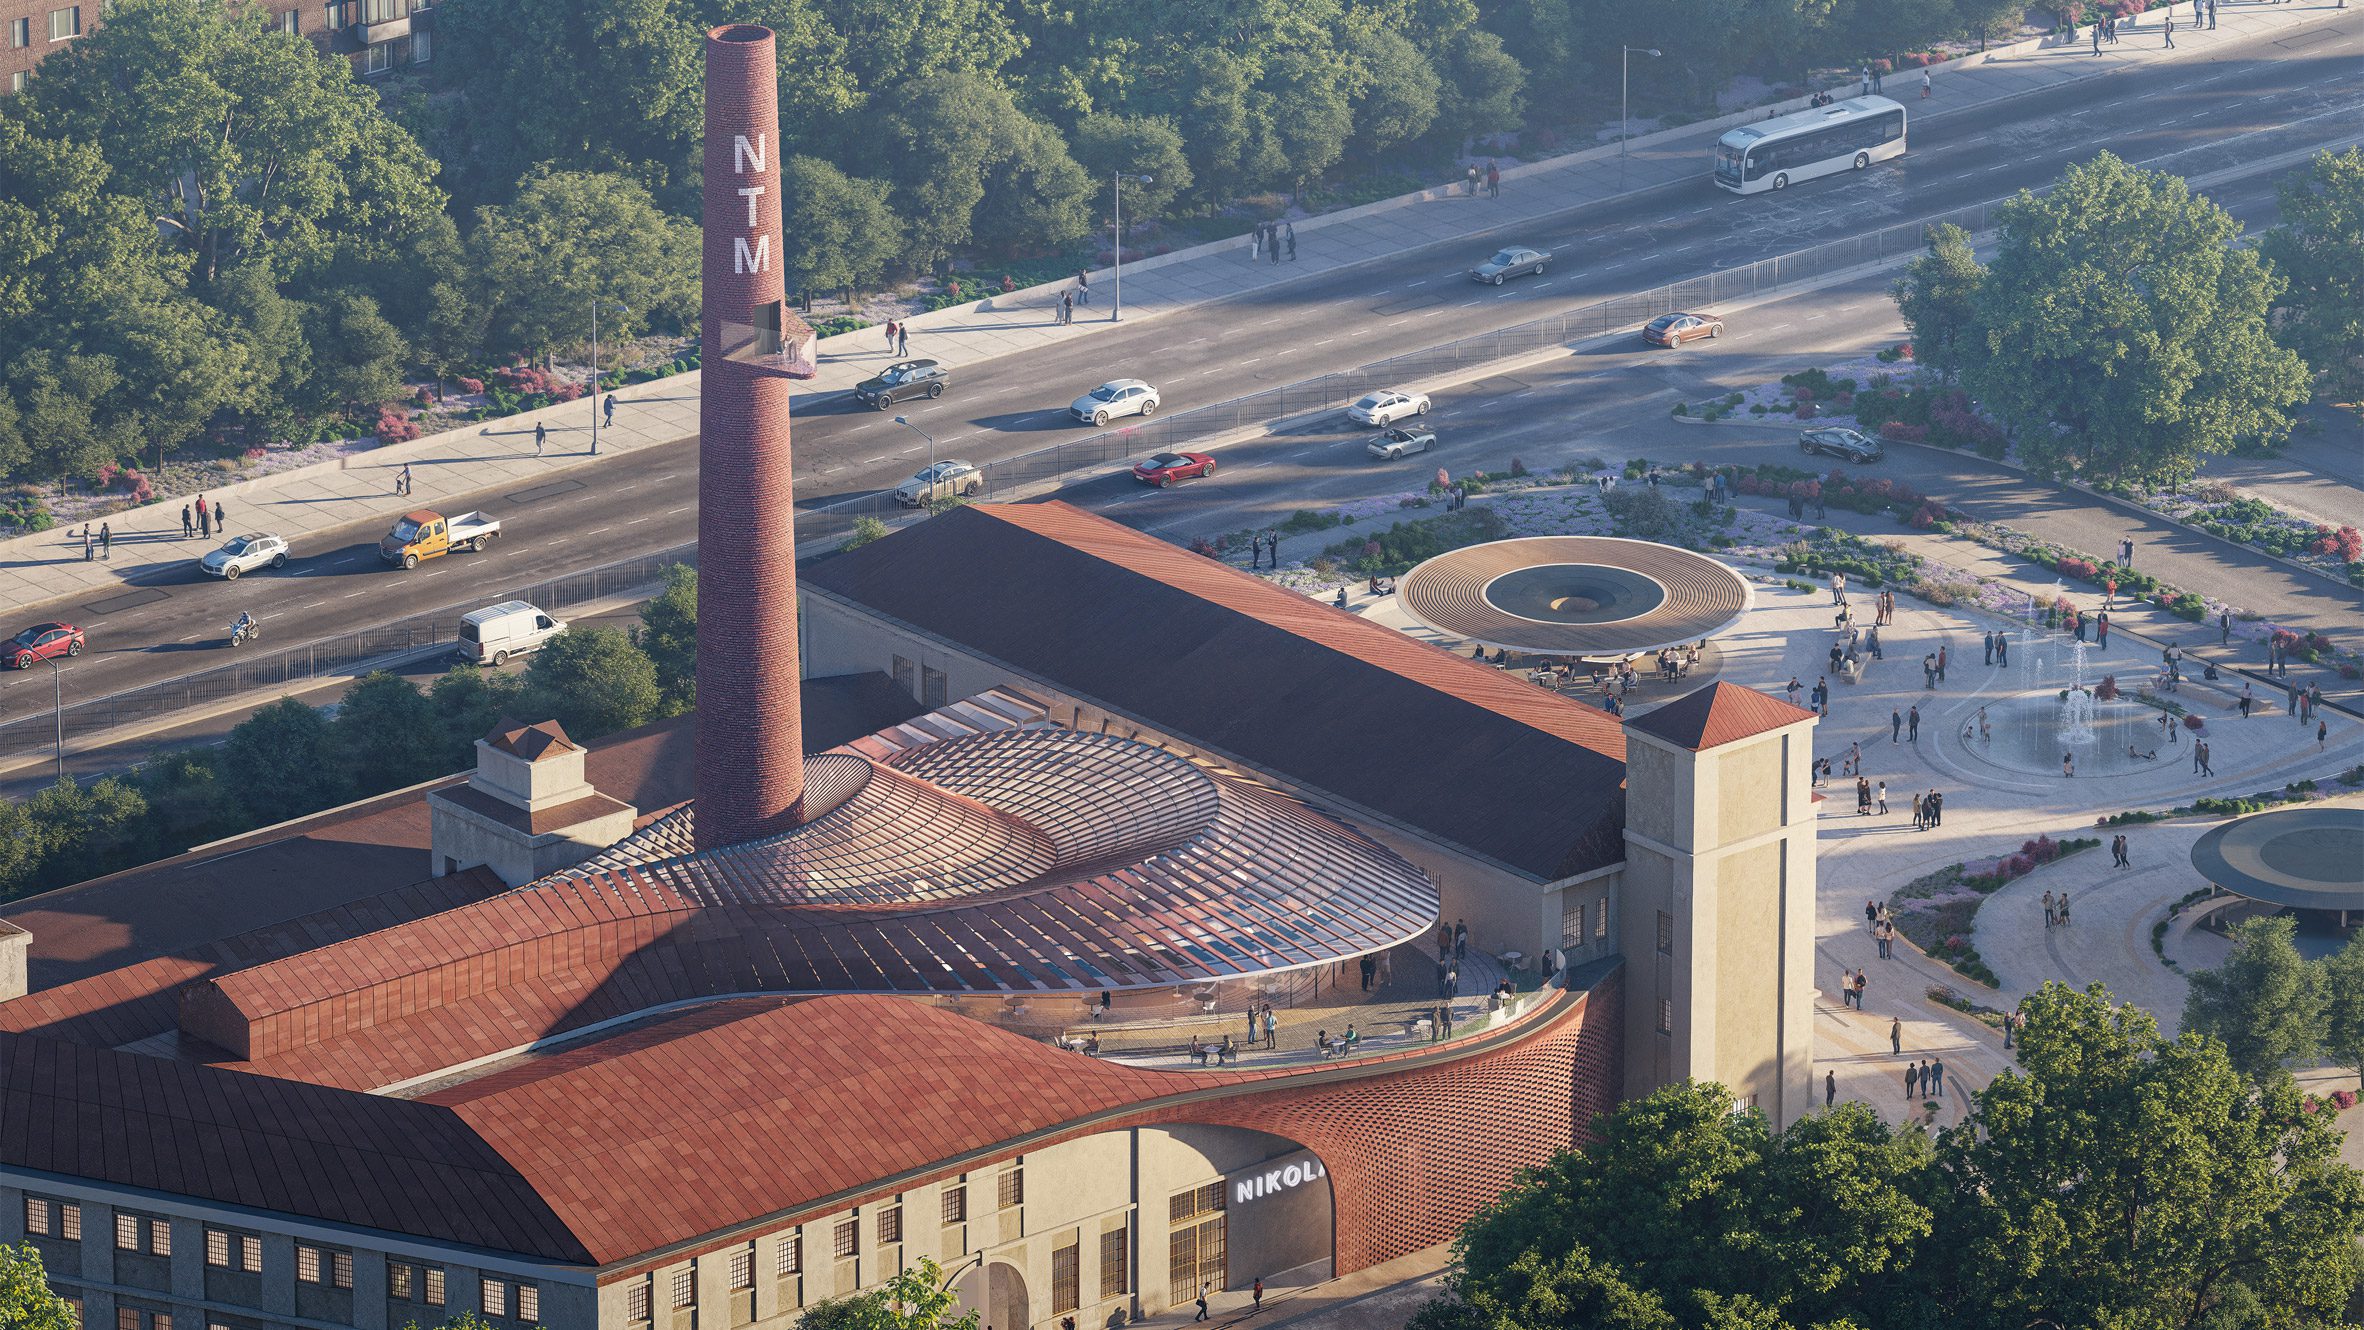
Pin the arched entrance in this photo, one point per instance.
(996, 1291)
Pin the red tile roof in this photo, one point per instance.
(531, 742)
(1267, 677)
(1716, 715)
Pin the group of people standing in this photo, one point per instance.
(1269, 238)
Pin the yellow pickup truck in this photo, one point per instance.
(428, 535)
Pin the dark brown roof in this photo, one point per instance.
(220, 1136)
(536, 822)
(531, 742)
(1274, 680)
(1718, 714)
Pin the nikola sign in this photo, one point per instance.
(746, 258)
(1276, 1179)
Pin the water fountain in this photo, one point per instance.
(2076, 705)
(2058, 712)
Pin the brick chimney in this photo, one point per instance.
(750, 735)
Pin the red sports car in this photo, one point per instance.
(1166, 468)
(41, 641)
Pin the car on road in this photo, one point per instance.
(1844, 444)
(244, 554)
(1514, 261)
(903, 381)
(1401, 442)
(947, 479)
(1117, 397)
(1387, 406)
(1676, 329)
(492, 635)
(43, 641)
(1166, 468)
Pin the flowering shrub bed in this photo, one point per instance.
(2246, 520)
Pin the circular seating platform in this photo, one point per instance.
(1575, 595)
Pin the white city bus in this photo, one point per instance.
(1776, 153)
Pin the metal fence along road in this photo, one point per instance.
(264, 667)
(1330, 391)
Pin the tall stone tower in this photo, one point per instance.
(750, 764)
(1718, 920)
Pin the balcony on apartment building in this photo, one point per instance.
(386, 29)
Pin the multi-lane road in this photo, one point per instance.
(2280, 94)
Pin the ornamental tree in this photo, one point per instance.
(2265, 1002)
(26, 1300)
(2316, 251)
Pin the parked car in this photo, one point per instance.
(1676, 329)
(244, 554)
(1844, 444)
(1516, 261)
(1401, 442)
(492, 635)
(901, 382)
(426, 535)
(1387, 406)
(42, 641)
(944, 480)
(1117, 397)
(1166, 468)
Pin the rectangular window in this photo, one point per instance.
(16, 83)
(685, 1288)
(1115, 1263)
(790, 1261)
(1666, 1015)
(65, 23)
(1065, 1280)
(308, 1264)
(20, 32)
(378, 58)
(40, 1217)
(906, 676)
(846, 1239)
(1600, 922)
(250, 1254)
(291, 22)
(636, 1303)
(434, 1274)
(890, 1225)
(529, 1303)
(1012, 1187)
(422, 47)
(127, 1318)
(742, 1269)
(956, 1205)
(159, 1238)
(340, 1269)
(1572, 923)
(934, 687)
(217, 1249)
(127, 1232)
(1188, 1205)
(402, 1280)
(496, 1297)
(1665, 933)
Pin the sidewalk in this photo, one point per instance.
(48, 566)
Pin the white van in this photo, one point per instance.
(492, 635)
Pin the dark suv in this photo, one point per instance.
(1844, 444)
(903, 381)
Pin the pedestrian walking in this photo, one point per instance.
(402, 482)
(106, 540)
(1925, 85)
(2248, 700)
(1920, 816)
(1895, 723)
(1258, 1293)
(1830, 1088)
(2064, 909)
(2101, 630)
(2051, 911)
(204, 518)
(1879, 74)
(188, 523)
(1067, 307)
(1493, 181)
(1936, 1075)
(2003, 650)
(1290, 229)
(89, 547)
(1990, 647)
(541, 437)
(1202, 1301)
(903, 339)
(1882, 796)
(1083, 288)
(1912, 1079)
(221, 520)
(2322, 735)
(1941, 664)
(2169, 32)
(1272, 243)
(1271, 1034)
(1863, 82)
(1929, 670)
(2126, 552)
(607, 410)
(1460, 939)
(2097, 39)
(1860, 982)
(1896, 1035)
(891, 327)
(1912, 725)
(1472, 180)
(1871, 913)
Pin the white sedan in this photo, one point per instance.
(1387, 406)
(244, 554)
(1400, 442)
(1117, 397)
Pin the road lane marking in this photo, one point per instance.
(350, 595)
(636, 521)
(1325, 341)
(1422, 282)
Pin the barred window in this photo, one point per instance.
(1600, 920)
(1572, 922)
(127, 1318)
(250, 1254)
(890, 1225)
(636, 1303)
(217, 1249)
(742, 1269)
(40, 1217)
(1065, 1279)
(401, 1280)
(1665, 1016)
(685, 1288)
(340, 1269)
(1665, 933)
(847, 1239)
(1188, 1205)
(791, 1258)
(434, 1275)
(956, 1205)
(1115, 1262)
(496, 1297)
(308, 1264)
(127, 1233)
(1012, 1187)
(529, 1303)
(159, 1238)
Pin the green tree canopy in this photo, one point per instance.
(26, 1300)
(914, 1299)
(1106, 144)
(841, 235)
(570, 237)
(594, 681)
(281, 762)
(2315, 250)
(388, 735)
(1938, 296)
(2266, 1003)
(2121, 334)
(2343, 1004)
(668, 633)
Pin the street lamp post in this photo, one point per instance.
(906, 423)
(1116, 301)
(1623, 60)
(57, 693)
(618, 307)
